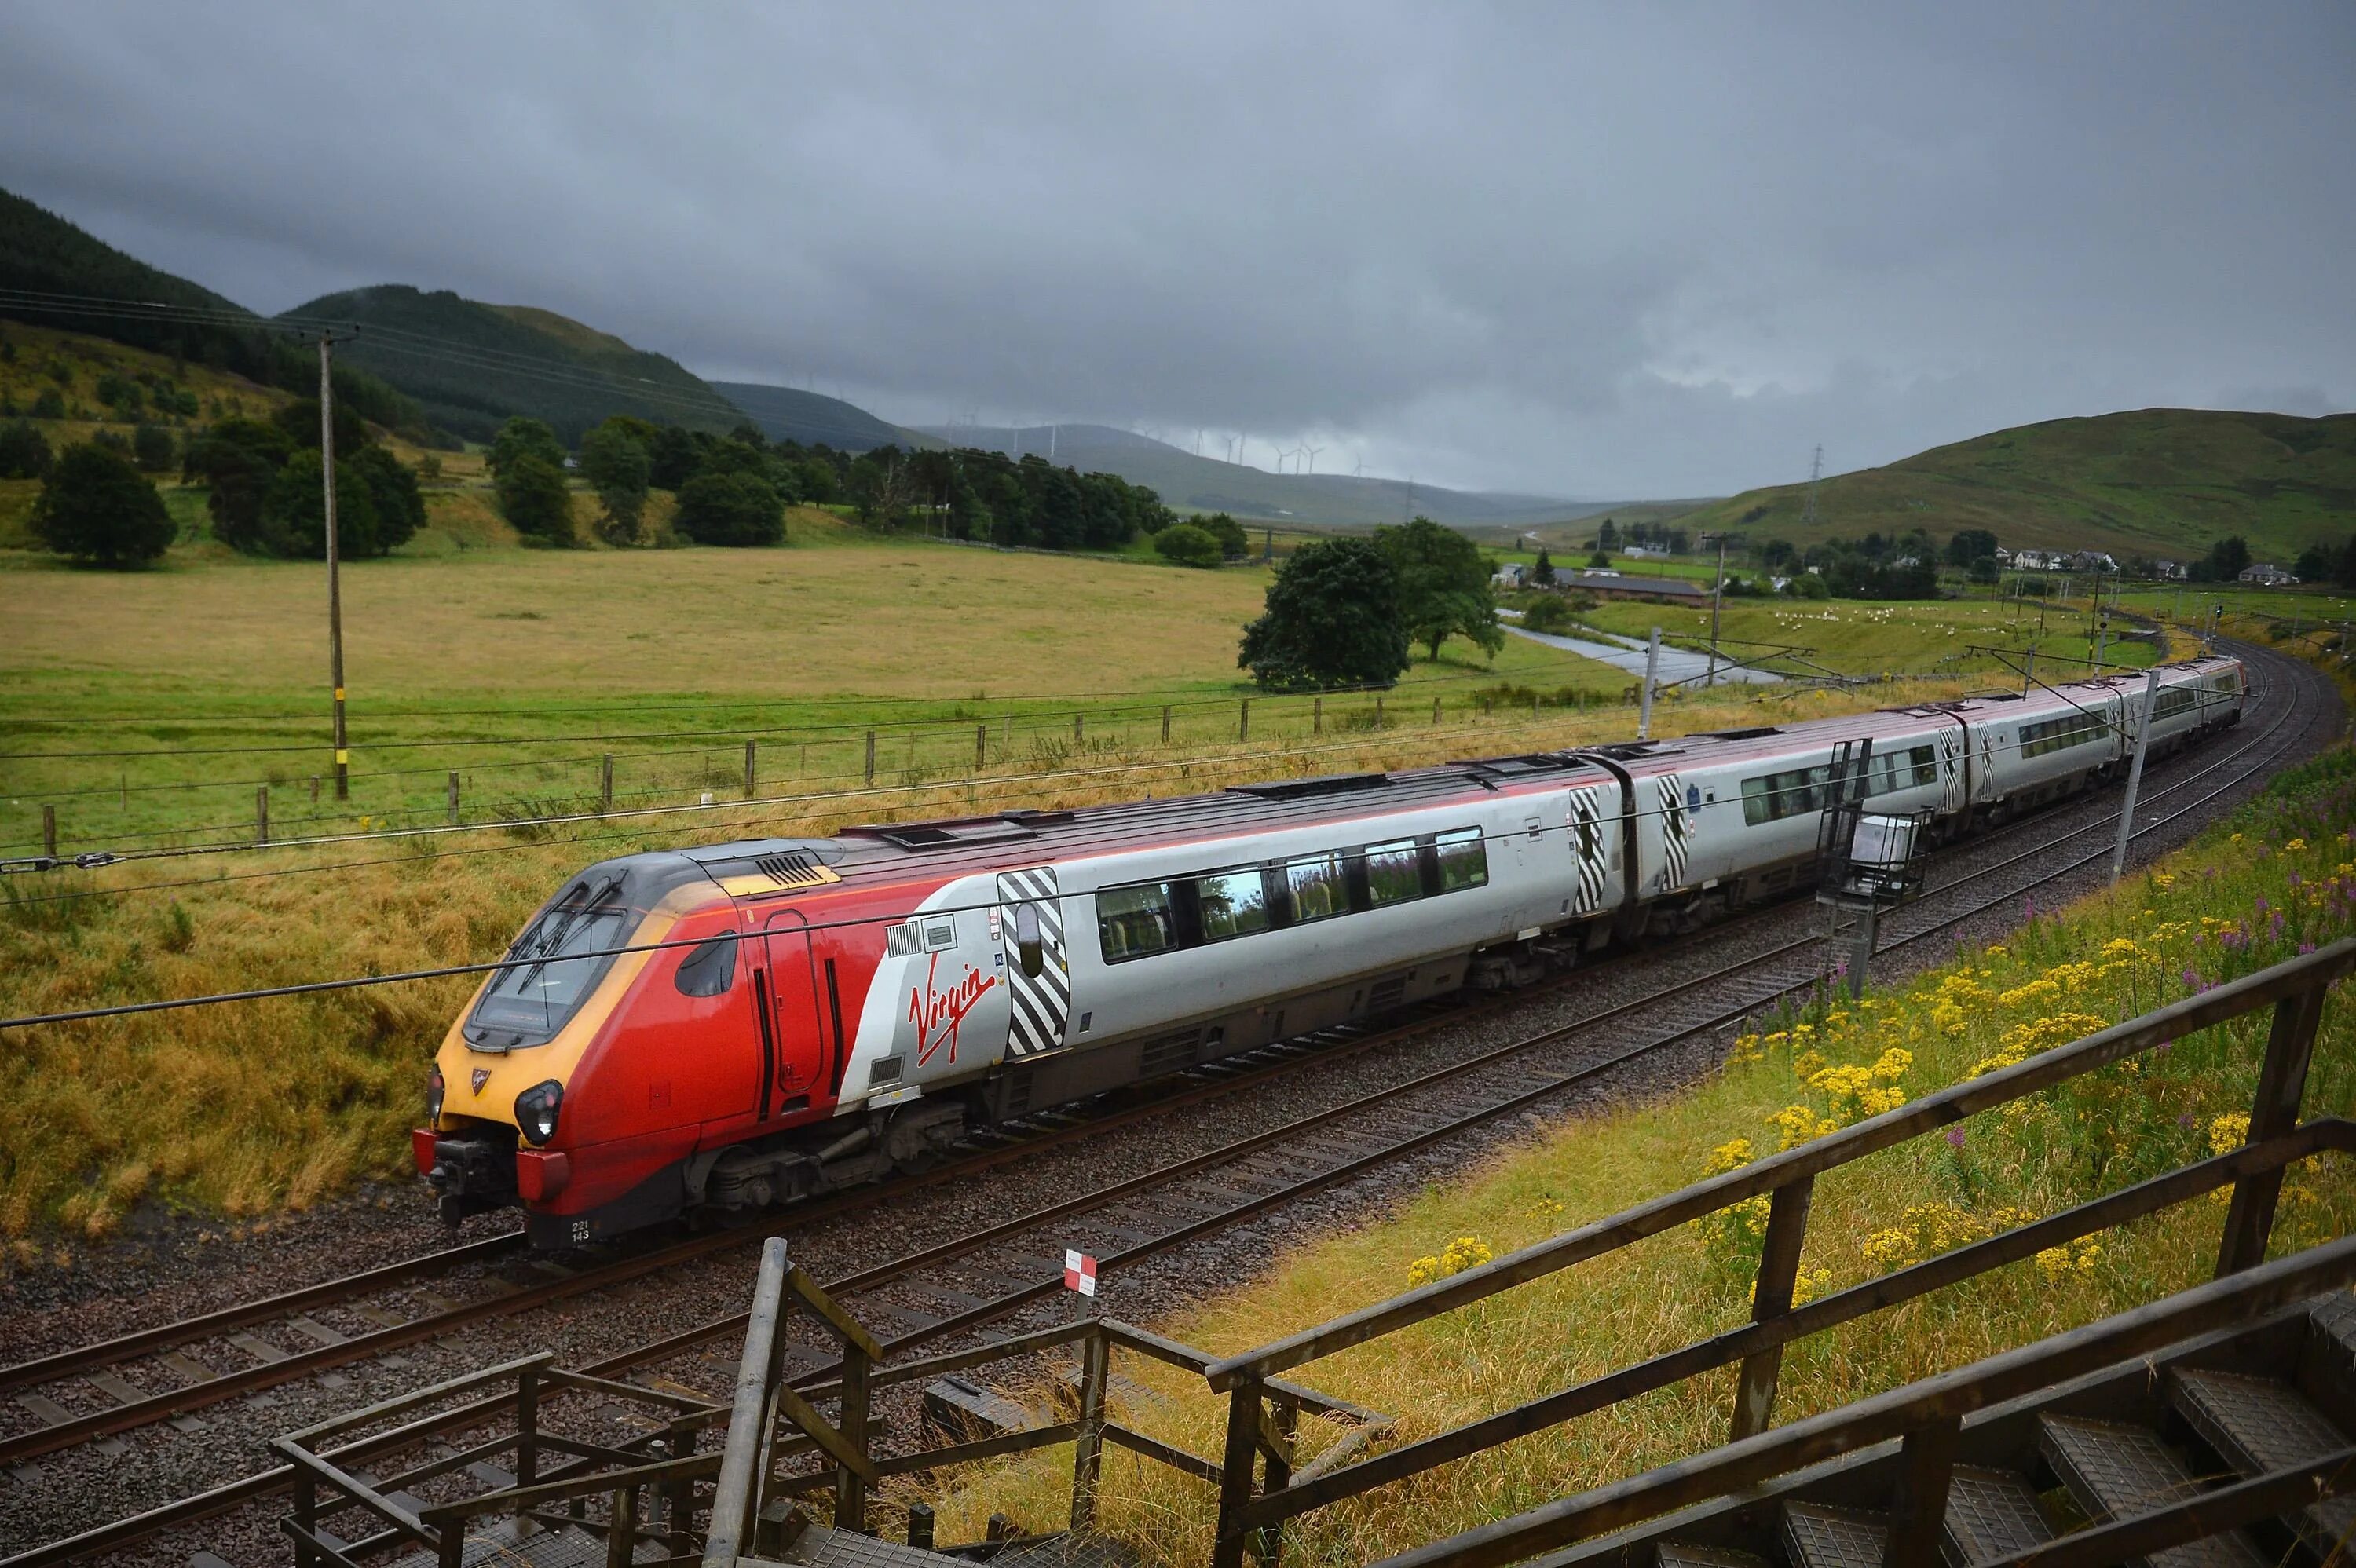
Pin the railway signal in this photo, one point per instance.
(1079, 1272)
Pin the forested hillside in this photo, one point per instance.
(55, 274)
(475, 365)
(813, 419)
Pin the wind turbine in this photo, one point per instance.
(1313, 451)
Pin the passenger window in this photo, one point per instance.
(1317, 887)
(1926, 765)
(709, 969)
(1134, 923)
(1394, 872)
(1464, 860)
(1233, 903)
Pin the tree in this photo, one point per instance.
(731, 509)
(1598, 561)
(24, 451)
(533, 496)
(1183, 544)
(615, 462)
(1542, 574)
(1333, 619)
(1234, 543)
(49, 405)
(294, 513)
(2343, 570)
(152, 448)
(392, 493)
(520, 439)
(2228, 557)
(2314, 564)
(97, 509)
(672, 457)
(300, 420)
(1967, 545)
(237, 459)
(1548, 614)
(1444, 585)
(1607, 537)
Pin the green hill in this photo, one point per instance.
(123, 300)
(2157, 482)
(786, 413)
(473, 365)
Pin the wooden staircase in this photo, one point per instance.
(2228, 1408)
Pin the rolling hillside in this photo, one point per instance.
(1210, 485)
(788, 413)
(2157, 482)
(473, 365)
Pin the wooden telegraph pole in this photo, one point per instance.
(335, 584)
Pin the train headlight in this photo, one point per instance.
(536, 1108)
(433, 1097)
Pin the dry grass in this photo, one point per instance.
(2290, 853)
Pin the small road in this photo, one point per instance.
(1677, 665)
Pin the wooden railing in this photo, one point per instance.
(1258, 1492)
(748, 1503)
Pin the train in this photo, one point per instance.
(747, 1024)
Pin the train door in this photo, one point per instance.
(1677, 808)
(1589, 825)
(1030, 920)
(793, 1043)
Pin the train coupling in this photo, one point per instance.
(473, 1172)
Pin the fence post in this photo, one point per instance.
(752, 776)
(50, 832)
(307, 1517)
(679, 1497)
(1165, 726)
(920, 1526)
(315, 790)
(849, 1489)
(1379, 710)
(871, 756)
(1088, 1452)
(1243, 720)
(1317, 716)
(262, 813)
(981, 747)
(1926, 1463)
(1077, 732)
(621, 1543)
(527, 1468)
(1435, 713)
(606, 780)
(1242, 1453)
(2282, 1083)
(1779, 1267)
(454, 800)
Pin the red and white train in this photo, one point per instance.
(791, 1016)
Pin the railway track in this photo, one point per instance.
(938, 1291)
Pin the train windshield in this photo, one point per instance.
(554, 965)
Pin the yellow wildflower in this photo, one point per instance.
(1726, 1156)
(2229, 1132)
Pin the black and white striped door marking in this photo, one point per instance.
(1041, 1004)
(1676, 830)
(1950, 770)
(1588, 847)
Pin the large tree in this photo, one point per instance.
(534, 498)
(24, 451)
(615, 462)
(97, 509)
(1444, 585)
(237, 460)
(731, 509)
(520, 439)
(1332, 619)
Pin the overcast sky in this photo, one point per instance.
(1576, 251)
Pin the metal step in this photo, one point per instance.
(2119, 1472)
(1816, 1537)
(1990, 1514)
(2259, 1426)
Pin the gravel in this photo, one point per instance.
(170, 1267)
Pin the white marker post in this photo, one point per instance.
(1651, 663)
(2134, 772)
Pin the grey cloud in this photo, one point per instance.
(1566, 249)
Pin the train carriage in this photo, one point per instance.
(748, 1023)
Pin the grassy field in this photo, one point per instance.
(2157, 482)
(2280, 874)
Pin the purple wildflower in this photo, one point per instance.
(2186, 1121)
(2306, 947)
(1956, 1137)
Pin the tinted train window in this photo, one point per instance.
(1904, 770)
(1463, 859)
(1132, 922)
(1317, 887)
(708, 969)
(1394, 872)
(1795, 792)
(2174, 700)
(2059, 735)
(1233, 903)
